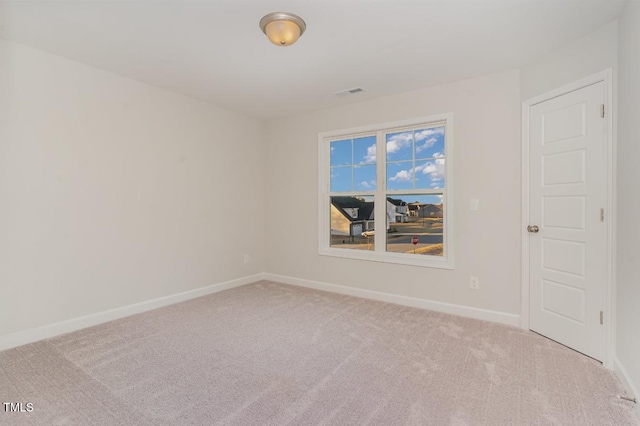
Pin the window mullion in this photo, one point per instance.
(413, 159)
(429, 191)
(353, 172)
(380, 199)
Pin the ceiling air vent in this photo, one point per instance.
(349, 92)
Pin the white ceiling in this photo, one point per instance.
(214, 50)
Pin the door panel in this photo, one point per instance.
(563, 256)
(563, 300)
(564, 168)
(564, 212)
(564, 123)
(567, 191)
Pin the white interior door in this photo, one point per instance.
(567, 197)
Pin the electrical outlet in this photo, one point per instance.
(474, 205)
(247, 258)
(474, 283)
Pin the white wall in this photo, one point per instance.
(588, 55)
(114, 192)
(487, 166)
(628, 248)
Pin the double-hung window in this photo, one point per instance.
(385, 192)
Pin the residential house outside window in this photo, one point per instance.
(400, 172)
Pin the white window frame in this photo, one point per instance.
(380, 193)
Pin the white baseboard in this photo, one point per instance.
(34, 334)
(52, 330)
(628, 384)
(465, 311)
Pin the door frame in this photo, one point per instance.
(605, 76)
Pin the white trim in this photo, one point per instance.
(44, 332)
(34, 334)
(387, 257)
(610, 142)
(380, 254)
(571, 87)
(449, 308)
(524, 292)
(383, 126)
(612, 221)
(323, 189)
(627, 383)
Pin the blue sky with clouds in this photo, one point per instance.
(415, 160)
(353, 164)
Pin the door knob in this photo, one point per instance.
(533, 229)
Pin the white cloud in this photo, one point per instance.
(426, 145)
(371, 184)
(371, 155)
(398, 142)
(424, 134)
(434, 169)
(402, 176)
(401, 141)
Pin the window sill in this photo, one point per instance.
(397, 258)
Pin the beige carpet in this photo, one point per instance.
(272, 354)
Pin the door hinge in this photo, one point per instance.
(602, 110)
(601, 317)
(602, 215)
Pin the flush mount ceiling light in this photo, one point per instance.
(282, 28)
